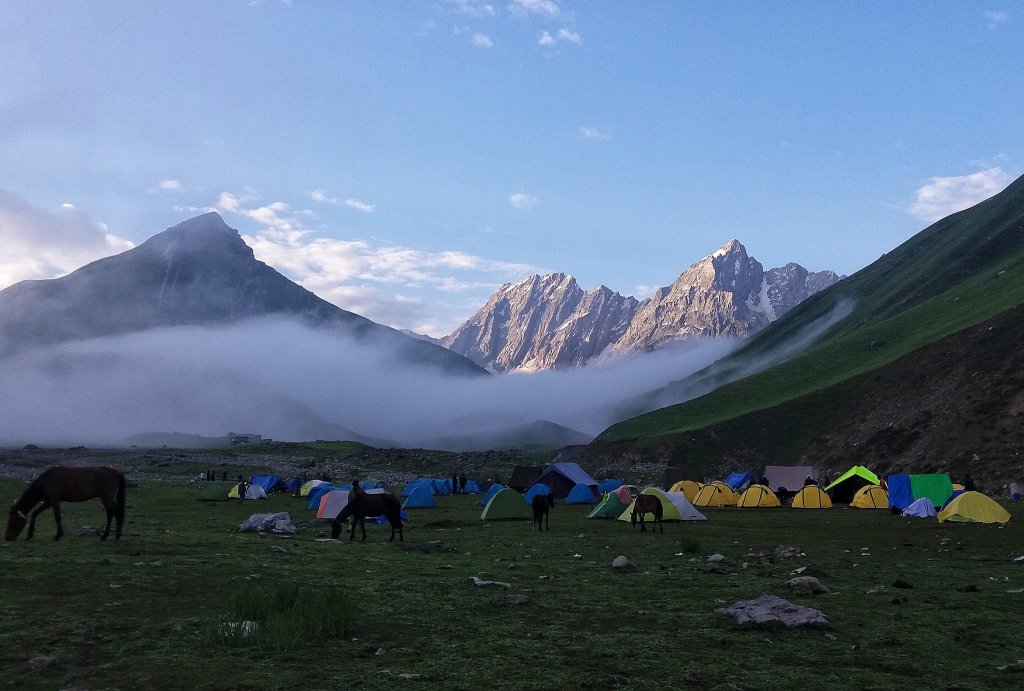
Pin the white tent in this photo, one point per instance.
(675, 506)
(334, 501)
(922, 508)
(253, 491)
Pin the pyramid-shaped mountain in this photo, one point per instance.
(199, 272)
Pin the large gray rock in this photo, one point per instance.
(772, 612)
(268, 523)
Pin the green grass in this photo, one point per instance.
(138, 614)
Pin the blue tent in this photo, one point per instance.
(473, 487)
(539, 488)
(739, 481)
(956, 493)
(413, 484)
(382, 520)
(293, 485)
(607, 486)
(581, 494)
(421, 498)
(495, 488)
(441, 486)
(267, 482)
(905, 489)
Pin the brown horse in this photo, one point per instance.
(542, 505)
(68, 484)
(645, 504)
(362, 505)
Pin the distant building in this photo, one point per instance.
(235, 438)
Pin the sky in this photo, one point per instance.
(404, 159)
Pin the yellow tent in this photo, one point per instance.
(870, 497)
(687, 487)
(812, 497)
(757, 496)
(974, 507)
(304, 490)
(716, 493)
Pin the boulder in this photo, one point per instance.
(807, 585)
(772, 612)
(268, 523)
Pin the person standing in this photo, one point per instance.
(462, 483)
(243, 489)
(455, 483)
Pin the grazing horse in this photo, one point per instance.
(362, 505)
(542, 504)
(645, 504)
(68, 484)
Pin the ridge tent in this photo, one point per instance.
(563, 477)
(610, 506)
(420, 498)
(675, 507)
(922, 508)
(757, 497)
(904, 489)
(495, 488)
(581, 494)
(523, 476)
(334, 501)
(251, 492)
(534, 491)
(870, 497)
(842, 489)
(716, 493)
(739, 481)
(608, 485)
(974, 507)
(506, 504)
(789, 478)
(441, 486)
(687, 487)
(305, 489)
(472, 487)
(811, 497)
(413, 484)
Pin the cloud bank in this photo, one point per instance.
(940, 197)
(291, 382)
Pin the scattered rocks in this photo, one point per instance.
(787, 552)
(773, 612)
(807, 585)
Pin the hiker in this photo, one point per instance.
(809, 481)
(356, 490)
(462, 483)
(455, 483)
(243, 488)
(763, 480)
(968, 483)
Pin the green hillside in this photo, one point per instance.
(954, 274)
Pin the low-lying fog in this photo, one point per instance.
(290, 382)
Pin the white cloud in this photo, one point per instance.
(593, 134)
(940, 197)
(357, 204)
(472, 8)
(38, 244)
(170, 186)
(67, 205)
(543, 8)
(546, 39)
(570, 36)
(522, 201)
(996, 18)
(563, 36)
(482, 41)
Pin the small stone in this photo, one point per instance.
(716, 558)
(622, 563)
(380, 651)
(877, 590)
(277, 548)
(807, 585)
(446, 567)
(158, 563)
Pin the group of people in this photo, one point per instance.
(458, 483)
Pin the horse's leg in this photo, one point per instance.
(352, 533)
(109, 507)
(547, 520)
(32, 519)
(362, 526)
(56, 519)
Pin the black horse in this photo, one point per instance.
(362, 505)
(647, 504)
(68, 484)
(542, 504)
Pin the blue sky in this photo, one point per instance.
(403, 159)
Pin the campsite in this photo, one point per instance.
(912, 603)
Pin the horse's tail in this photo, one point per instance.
(119, 498)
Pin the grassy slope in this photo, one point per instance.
(954, 274)
(127, 623)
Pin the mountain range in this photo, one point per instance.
(549, 322)
(912, 363)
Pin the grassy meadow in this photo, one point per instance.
(152, 611)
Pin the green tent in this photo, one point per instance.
(507, 504)
(846, 485)
(609, 507)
